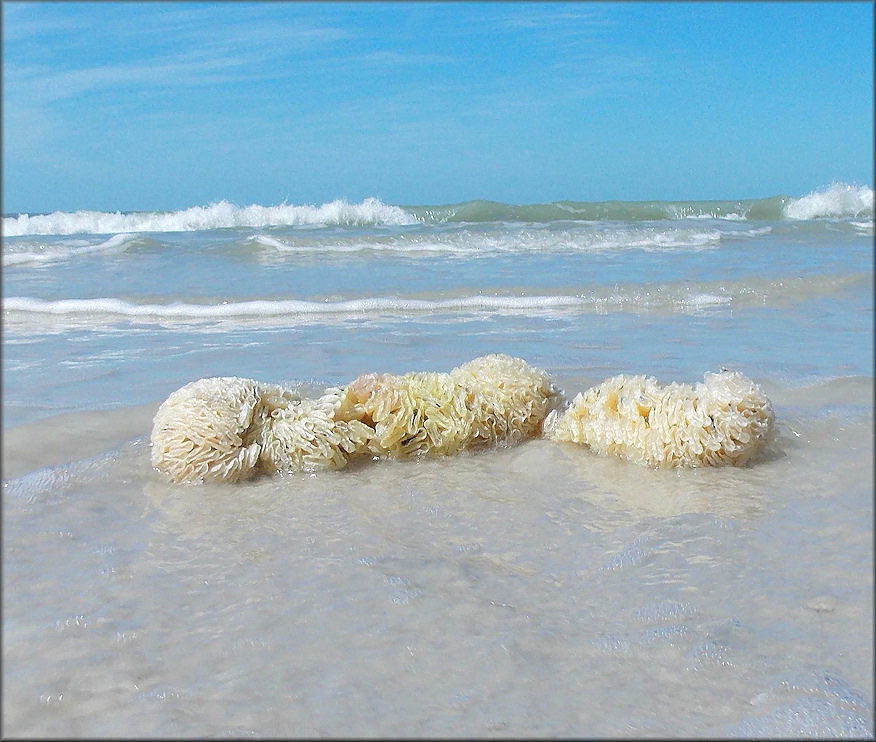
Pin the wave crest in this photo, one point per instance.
(666, 297)
(218, 215)
(839, 200)
(115, 244)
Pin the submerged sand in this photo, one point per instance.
(538, 589)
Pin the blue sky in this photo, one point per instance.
(140, 106)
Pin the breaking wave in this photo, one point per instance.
(220, 215)
(54, 253)
(474, 243)
(668, 297)
(838, 201)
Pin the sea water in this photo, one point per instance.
(534, 590)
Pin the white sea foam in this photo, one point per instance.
(707, 300)
(281, 308)
(673, 297)
(840, 200)
(688, 212)
(864, 227)
(466, 243)
(341, 245)
(55, 253)
(217, 215)
(102, 310)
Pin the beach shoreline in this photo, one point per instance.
(531, 590)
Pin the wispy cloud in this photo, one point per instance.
(43, 85)
(224, 78)
(169, 47)
(391, 58)
(583, 20)
(20, 23)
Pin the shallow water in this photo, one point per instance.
(538, 590)
(534, 590)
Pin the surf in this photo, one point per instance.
(837, 201)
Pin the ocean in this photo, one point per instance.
(537, 590)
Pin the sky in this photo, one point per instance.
(161, 106)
